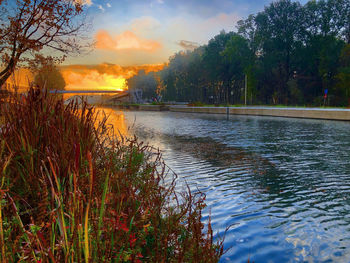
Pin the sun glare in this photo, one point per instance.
(103, 76)
(93, 80)
(113, 83)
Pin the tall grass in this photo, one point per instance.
(72, 192)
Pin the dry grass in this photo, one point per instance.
(71, 192)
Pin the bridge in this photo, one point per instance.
(106, 96)
(86, 91)
(134, 96)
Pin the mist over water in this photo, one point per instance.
(282, 184)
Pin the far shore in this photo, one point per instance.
(325, 113)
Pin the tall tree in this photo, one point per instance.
(241, 60)
(175, 77)
(217, 69)
(341, 16)
(29, 27)
(278, 29)
(145, 82)
(343, 77)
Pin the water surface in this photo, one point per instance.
(282, 184)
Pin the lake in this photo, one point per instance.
(283, 185)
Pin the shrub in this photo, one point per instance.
(72, 192)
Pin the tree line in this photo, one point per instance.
(289, 53)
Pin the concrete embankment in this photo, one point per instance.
(307, 113)
(208, 110)
(142, 107)
(154, 107)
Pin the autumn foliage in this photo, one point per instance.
(72, 192)
(30, 29)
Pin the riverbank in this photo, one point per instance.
(306, 113)
(72, 191)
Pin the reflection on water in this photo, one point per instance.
(283, 184)
(115, 121)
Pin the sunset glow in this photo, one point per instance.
(93, 81)
(103, 76)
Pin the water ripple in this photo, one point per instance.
(282, 184)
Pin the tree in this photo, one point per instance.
(218, 71)
(195, 80)
(342, 18)
(32, 27)
(241, 60)
(49, 76)
(278, 30)
(175, 77)
(145, 82)
(317, 59)
(247, 29)
(290, 52)
(343, 76)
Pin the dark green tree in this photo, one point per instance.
(342, 87)
(241, 61)
(217, 69)
(279, 28)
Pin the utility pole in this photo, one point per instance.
(245, 92)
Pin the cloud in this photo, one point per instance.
(223, 19)
(84, 2)
(102, 76)
(144, 25)
(201, 30)
(127, 40)
(101, 8)
(108, 5)
(188, 45)
(93, 81)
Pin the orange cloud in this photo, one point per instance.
(84, 2)
(125, 41)
(103, 76)
(93, 81)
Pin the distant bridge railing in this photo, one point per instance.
(134, 96)
(86, 91)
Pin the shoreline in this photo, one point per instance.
(303, 113)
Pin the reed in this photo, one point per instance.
(71, 191)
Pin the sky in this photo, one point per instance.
(131, 33)
(137, 32)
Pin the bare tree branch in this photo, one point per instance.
(36, 25)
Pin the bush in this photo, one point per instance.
(72, 192)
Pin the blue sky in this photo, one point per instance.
(136, 32)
